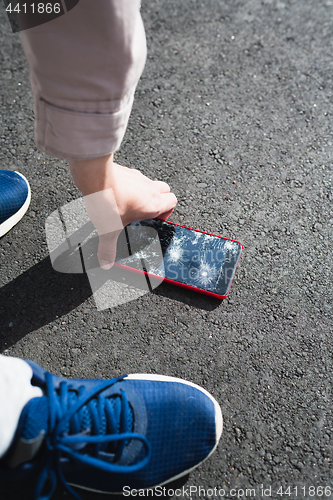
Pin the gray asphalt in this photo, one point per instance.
(234, 110)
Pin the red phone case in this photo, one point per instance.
(183, 285)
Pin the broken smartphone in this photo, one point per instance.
(188, 258)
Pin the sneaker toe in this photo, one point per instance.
(183, 424)
(14, 200)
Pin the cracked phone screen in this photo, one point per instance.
(190, 257)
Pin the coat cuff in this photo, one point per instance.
(71, 134)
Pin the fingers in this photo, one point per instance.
(165, 215)
(162, 186)
(167, 205)
(107, 250)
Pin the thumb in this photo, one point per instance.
(107, 249)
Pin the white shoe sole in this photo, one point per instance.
(14, 219)
(218, 425)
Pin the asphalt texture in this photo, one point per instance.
(234, 110)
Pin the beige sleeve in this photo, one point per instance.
(84, 67)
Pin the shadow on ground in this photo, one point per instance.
(40, 295)
(9, 489)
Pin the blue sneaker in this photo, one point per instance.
(14, 199)
(112, 436)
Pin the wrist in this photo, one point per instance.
(92, 176)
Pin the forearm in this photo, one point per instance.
(84, 69)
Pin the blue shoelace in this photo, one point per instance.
(109, 426)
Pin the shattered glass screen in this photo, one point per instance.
(190, 257)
